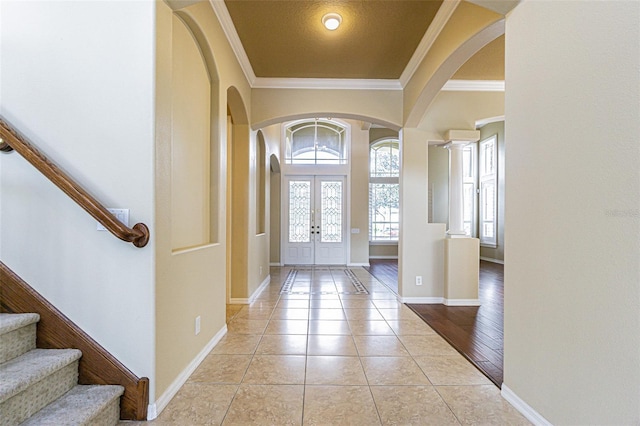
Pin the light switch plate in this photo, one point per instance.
(355, 230)
(121, 214)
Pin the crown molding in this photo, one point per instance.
(437, 25)
(325, 83)
(229, 29)
(474, 86)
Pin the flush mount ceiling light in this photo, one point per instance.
(331, 21)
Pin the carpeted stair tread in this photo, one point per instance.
(21, 372)
(10, 322)
(79, 406)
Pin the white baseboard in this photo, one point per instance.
(254, 296)
(525, 409)
(156, 408)
(462, 302)
(492, 260)
(383, 257)
(425, 300)
(359, 264)
(275, 264)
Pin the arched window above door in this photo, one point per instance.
(319, 141)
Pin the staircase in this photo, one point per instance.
(40, 386)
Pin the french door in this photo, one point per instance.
(314, 220)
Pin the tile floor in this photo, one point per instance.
(324, 353)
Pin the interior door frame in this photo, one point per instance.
(314, 172)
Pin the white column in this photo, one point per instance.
(456, 200)
(456, 140)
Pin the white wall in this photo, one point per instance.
(77, 79)
(572, 269)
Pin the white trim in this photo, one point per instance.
(229, 29)
(253, 297)
(325, 83)
(437, 25)
(156, 408)
(483, 122)
(275, 264)
(525, 409)
(474, 86)
(363, 264)
(383, 242)
(492, 260)
(462, 302)
(383, 257)
(425, 300)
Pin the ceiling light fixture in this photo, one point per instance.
(331, 21)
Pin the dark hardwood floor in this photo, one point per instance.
(385, 270)
(474, 331)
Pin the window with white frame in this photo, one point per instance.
(469, 159)
(319, 141)
(488, 182)
(384, 190)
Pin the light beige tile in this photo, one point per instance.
(293, 303)
(445, 370)
(403, 313)
(290, 313)
(329, 327)
(370, 328)
(237, 344)
(363, 314)
(393, 371)
(326, 314)
(245, 326)
(431, 345)
(266, 405)
(379, 346)
(334, 370)
(198, 404)
(275, 370)
(326, 303)
(282, 344)
(480, 405)
(411, 405)
(387, 304)
(415, 327)
(357, 304)
(320, 344)
(339, 405)
(221, 369)
(287, 327)
(255, 313)
(383, 295)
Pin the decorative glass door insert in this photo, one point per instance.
(315, 208)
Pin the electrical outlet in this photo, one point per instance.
(261, 271)
(419, 280)
(197, 325)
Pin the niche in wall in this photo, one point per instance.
(193, 151)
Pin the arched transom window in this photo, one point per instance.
(319, 141)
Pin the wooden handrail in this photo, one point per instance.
(12, 140)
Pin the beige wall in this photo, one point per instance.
(359, 195)
(190, 142)
(421, 244)
(77, 79)
(572, 299)
(270, 106)
(191, 283)
(439, 185)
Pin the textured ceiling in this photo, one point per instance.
(487, 64)
(286, 39)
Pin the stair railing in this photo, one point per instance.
(11, 140)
